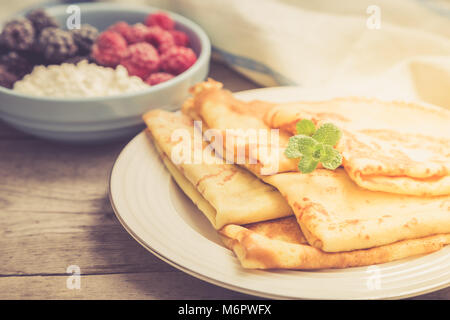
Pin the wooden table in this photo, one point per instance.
(55, 213)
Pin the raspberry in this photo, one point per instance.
(41, 20)
(111, 40)
(158, 77)
(18, 34)
(181, 39)
(165, 47)
(160, 38)
(177, 60)
(7, 79)
(160, 19)
(121, 28)
(85, 37)
(109, 49)
(136, 33)
(56, 44)
(142, 60)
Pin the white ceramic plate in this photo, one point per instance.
(160, 217)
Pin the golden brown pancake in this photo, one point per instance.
(280, 244)
(335, 214)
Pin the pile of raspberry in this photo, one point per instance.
(153, 50)
(37, 39)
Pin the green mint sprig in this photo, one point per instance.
(314, 146)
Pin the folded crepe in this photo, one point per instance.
(386, 146)
(337, 215)
(280, 244)
(225, 193)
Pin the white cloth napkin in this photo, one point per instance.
(337, 44)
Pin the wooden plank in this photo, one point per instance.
(39, 176)
(49, 243)
(55, 212)
(150, 285)
(443, 294)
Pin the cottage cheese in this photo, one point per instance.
(81, 80)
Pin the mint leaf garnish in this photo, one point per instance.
(316, 148)
(332, 159)
(307, 164)
(293, 150)
(319, 153)
(328, 133)
(306, 127)
(299, 145)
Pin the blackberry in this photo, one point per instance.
(85, 37)
(3, 48)
(35, 56)
(18, 34)
(41, 20)
(17, 63)
(7, 78)
(56, 45)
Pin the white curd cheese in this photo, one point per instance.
(81, 80)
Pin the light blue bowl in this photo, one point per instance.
(105, 118)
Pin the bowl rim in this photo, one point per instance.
(203, 57)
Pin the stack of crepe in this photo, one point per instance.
(389, 200)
